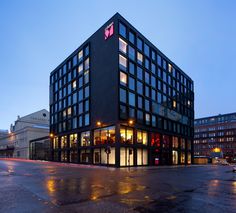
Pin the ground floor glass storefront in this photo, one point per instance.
(131, 147)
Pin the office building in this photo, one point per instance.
(215, 136)
(119, 100)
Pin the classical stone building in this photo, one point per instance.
(16, 143)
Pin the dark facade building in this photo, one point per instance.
(216, 136)
(118, 100)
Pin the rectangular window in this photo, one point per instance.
(140, 44)
(86, 64)
(131, 83)
(126, 135)
(131, 53)
(140, 58)
(140, 73)
(80, 69)
(142, 137)
(131, 68)
(104, 135)
(146, 50)
(80, 56)
(123, 79)
(123, 97)
(131, 37)
(122, 46)
(85, 138)
(131, 99)
(86, 119)
(147, 119)
(122, 30)
(122, 62)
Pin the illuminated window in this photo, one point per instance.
(169, 67)
(126, 135)
(86, 64)
(85, 138)
(74, 85)
(175, 143)
(63, 141)
(122, 62)
(174, 104)
(80, 69)
(175, 157)
(109, 30)
(122, 46)
(139, 58)
(123, 78)
(86, 77)
(69, 112)
(80, 55)
(155, 139)
(73, 140)
(147, 118)
(104, 135)
(142, 137)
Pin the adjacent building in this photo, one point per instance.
(16, 143)
(119, 100)
(215, 136)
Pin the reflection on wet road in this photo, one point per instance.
(53, 187)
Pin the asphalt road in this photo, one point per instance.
(32, 186)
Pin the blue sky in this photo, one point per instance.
(199, 36)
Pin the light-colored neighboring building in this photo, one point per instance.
(3, 133)
(25, 129)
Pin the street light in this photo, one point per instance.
(51, 135)
(99, 123)
(130, 122)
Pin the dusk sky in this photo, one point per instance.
(199, 36)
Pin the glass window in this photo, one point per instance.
(74, 85)
(131, 68)
(159, 60)
(63, 141)
(86, 50)
(142, 137)
(164, 64)
(140, 73)
(131, 37)
(80, 55)
(154, 95)
(85, 138)
(147, 118)
(86, 64)
(122, 29)
(147, 91)
(147, 78)
(80, 95)
(86, 92)
(139, 88)
(139, 43)
(73, 140)
(147, 105)
(154, 121)
(86, 119)
(80, 108)
(153, 81)
(126, 135)
(122, 46)
(131, 99)
(175, 143)
(86, 77)
(131, 112)
(165, 141)
(80, 69)
(104, 135)
(123, 79)
(146, 50)
(155, 139)
(140, 116)
(142, 157)
(147, 64)
(131, 53)
(74, 60)
(140, 102)
(153, 55)
(122, 95)
(131, 83)
(153, 68)
(140, 58)
(122, 62)
(123, 112)
(86, 105)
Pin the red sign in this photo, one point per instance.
(109, 30)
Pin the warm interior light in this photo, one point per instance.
(216, 150)
(51, 135)
(99, 123)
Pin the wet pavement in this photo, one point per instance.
(33, 186)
